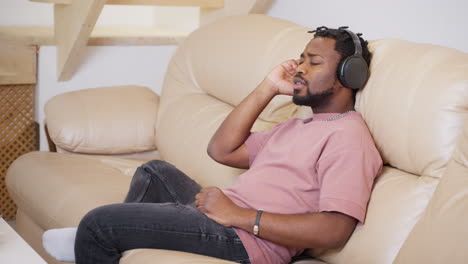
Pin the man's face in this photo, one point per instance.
(315, 81)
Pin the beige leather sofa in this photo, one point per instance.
(415, 104)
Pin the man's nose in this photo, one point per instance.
(300, 69)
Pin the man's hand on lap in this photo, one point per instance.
(217, 206)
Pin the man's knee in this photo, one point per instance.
(158, 167)
(93, 228)
(94, 217)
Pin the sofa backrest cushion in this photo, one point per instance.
(415, 103)
(212, 71)
(412, 102)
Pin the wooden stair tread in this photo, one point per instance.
(101, 36)
(199, 3)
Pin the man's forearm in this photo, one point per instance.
(313, 230)
(236, 127)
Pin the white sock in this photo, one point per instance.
(60, 243)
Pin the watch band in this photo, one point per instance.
(257, 222)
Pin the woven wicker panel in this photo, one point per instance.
(18, 134)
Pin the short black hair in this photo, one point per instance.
(344, 43)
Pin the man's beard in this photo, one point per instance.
(313, 100)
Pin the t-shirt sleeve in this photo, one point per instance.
(257, 140)
(346, 174)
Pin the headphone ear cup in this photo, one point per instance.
(353, 72)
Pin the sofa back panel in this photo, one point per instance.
(414, 103)
(184, 137)
(445, 220)
(397, 202)
(228, 59)
(231, 57)
(200, 89)
(189, 122)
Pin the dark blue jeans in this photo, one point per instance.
(159, 213)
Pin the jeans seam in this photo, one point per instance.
(165, 184)
(233, 239)
(143, 194)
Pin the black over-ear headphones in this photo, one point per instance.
(353, 71)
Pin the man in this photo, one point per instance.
(307, 184)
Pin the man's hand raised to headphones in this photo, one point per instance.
(282, 77)
(227, 144)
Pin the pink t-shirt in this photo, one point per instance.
(306, 166)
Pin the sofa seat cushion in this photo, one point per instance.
(65, 187)
(148, 256)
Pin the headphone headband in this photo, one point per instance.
(357, 42)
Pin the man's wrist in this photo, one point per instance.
(269, 86)
(245, 219)
(256, 227)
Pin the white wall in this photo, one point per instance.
(431, 21)
(439, 22)
(23, 12)
(428, 21)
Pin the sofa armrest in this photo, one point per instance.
(106, 120)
